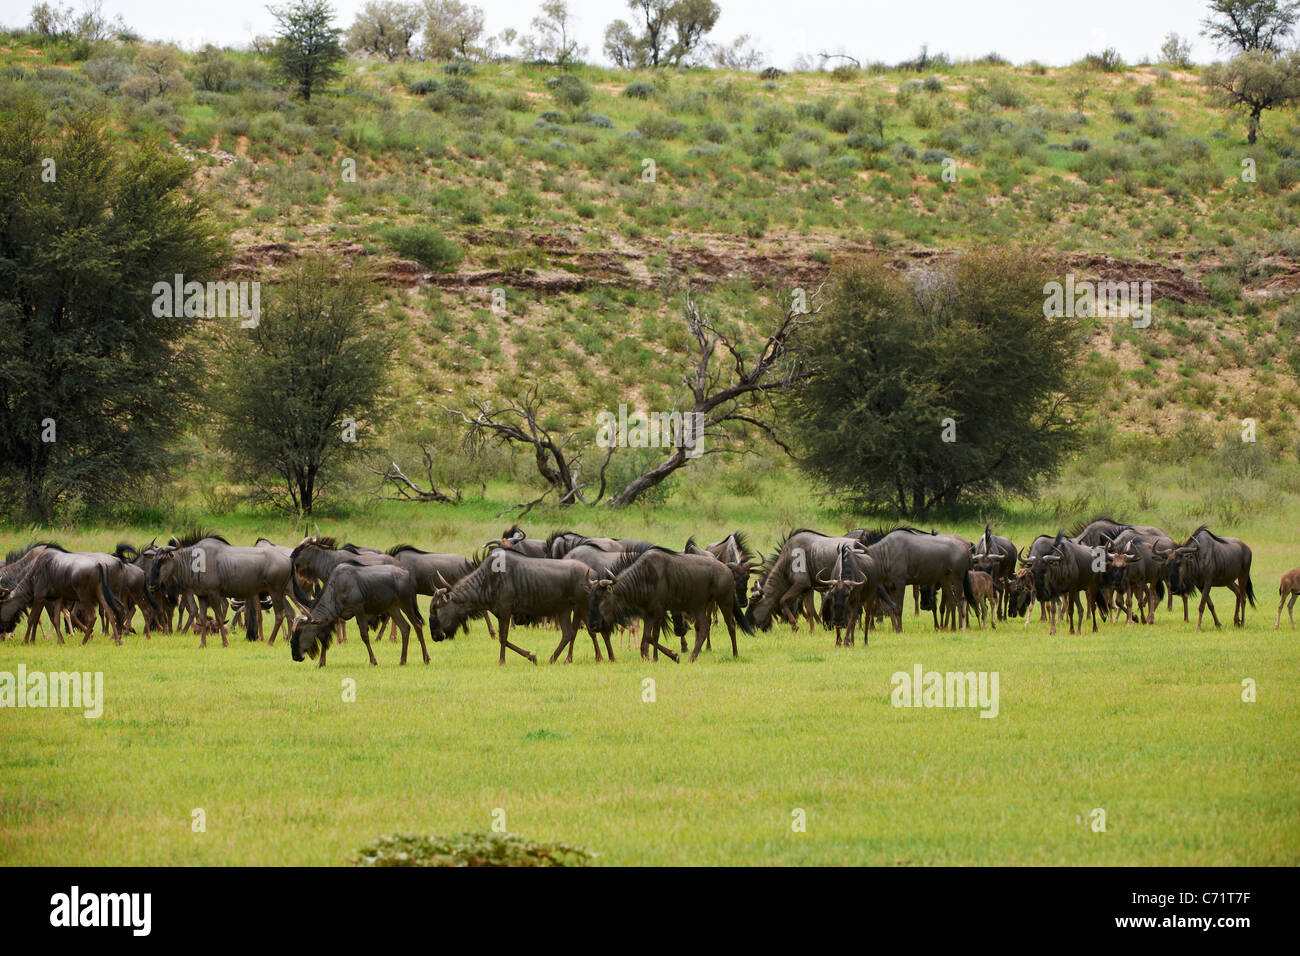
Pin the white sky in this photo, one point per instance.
(1051, 31)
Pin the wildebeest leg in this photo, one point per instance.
(652, 632)
(1185, 618)
(1290, 612)
(702, 624)
(566, 640)
(363, 625)
(608, 646)
(1200, 614)
(1237, 604)
(503, 625)
(792, 593)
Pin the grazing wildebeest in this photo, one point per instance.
(214, 571)
(45, 575)
(1020, 594)
(658, 581)
(996, 555)
(507, 584)
(1290, 586)
(853, 589)
(1062, 569)
(1207, 561)
(909, 556)
(789, 577)
(316, 556)
(157, 607)
(362, 592)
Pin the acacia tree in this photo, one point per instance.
(451, 30)
(306, 48)
(1254, 82)
(554, 41)
(1247, 25)
(317, 360)
(671, 31)
(385, 28)
(93, 382)
(940, 385)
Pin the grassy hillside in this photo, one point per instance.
(486, 177)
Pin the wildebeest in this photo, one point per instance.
(432, 571)
(560, 543)
(853, 589)
(506, 583)
(734, 554)
(45, 575)
(316, 556)
(362, 592)
(214, 570)
(1290, 586)
(515, 539)
(910, 556)
(996, 555)
(985, 603)
(1206, 561)
(1137, 568)
(1062, 569)
(658, 581)
(1020, 594)
(788, 579)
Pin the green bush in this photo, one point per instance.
(468, 849)
(423, 244)
(639, 90)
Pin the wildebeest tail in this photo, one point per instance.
(114, 605)
(252, 615)
(966, 588)
(414, 613)
(1250, 590)
(884, 595)
(738, 613)
(1160, 590)
(679, 624)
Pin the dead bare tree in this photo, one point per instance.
(407, 490)
(518, 423)
(731, 390)
(732, 393)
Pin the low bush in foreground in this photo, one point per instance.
(468, 849)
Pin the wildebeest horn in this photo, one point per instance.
(821, 579)
(442, 579)
(1051, 558)
(859, 583)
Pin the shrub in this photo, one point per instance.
(714, 132)
(468, 849)
(933, 84)
(771, 73)
(661, 127)
(569, 90)
(639, 91)
(1108, 61)
(1080, 144)
(423, 244)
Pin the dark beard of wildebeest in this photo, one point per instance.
(432, 571)
(788, 580)
(853, 588)
(1063, 568)
(1137, 569)
(43, 575)
(507, 584)
(315, 557)
(560, 543)
(996, 556)
(1206, 561)
(223, 572)
(659, 581)
(942, 561)
(362, 592)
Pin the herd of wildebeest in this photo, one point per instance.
(569, 580)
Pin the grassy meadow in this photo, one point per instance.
(1147, 724)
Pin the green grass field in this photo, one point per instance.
(1147, 724)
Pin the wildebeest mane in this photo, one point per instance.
(13, 556)
(397, 549)
(193, 536)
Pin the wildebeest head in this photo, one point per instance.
(308, 637)
(1181, 565)
(162, 570)
(844, 578)
(602, 611)
(1117, 571)
(1020, 592)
